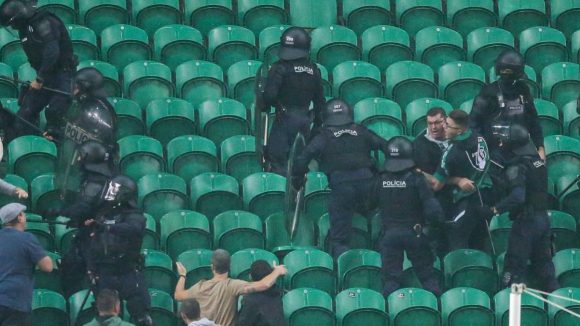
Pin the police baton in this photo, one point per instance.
(19, 81)
(486, 223)
(569, 186)
(28, 123)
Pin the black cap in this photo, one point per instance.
(400, 154)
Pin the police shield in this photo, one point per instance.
(294, 204)
(261, 115)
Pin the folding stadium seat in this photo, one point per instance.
(308, 307)
(48, 308)
(150, 15)
(325, 80)
(560, 83)
(562, 156)
(162, 308)
(561, 317)
(198, 81)
(31, 156)
(26, 73)
(242, 260)
(237, 230)
(541, 46)
(332, 45)
(258, 15)
(129, 117)
(466, 106)
(18, 181)
(168, 118)
(518, 15)
(79, 312)
(123, 44)
(470, 268)
(269, 41)
(310, 268)
(112, 86)
(264, 193)
(414, 15)
(564, 228)
(208, 14)
(100, 14)
(416, 113)
(499, 229)
(140, 155)
(485, 44)
(63, 235)
(437, 45)
(213, 193)
(241, 76)
(466, 306)
(84, 42)
(567, 264)
(549, 117)
(532, 310)
(162, 193)
(408, 81)
(158, 271)
(278, 239)
(570, 119)
(189, 156)
(222, 118)
(151, 237)
(361, 16)
(384, 45)
(312, 13)
(465, 18)
(360, 268)
(49, 281)
(229, 44)
(570, 200)
(552, 196)
(44, 194)
(197, 263)
(413, 306)
(360, 306)
(361, 237)
(176, 44)
(356, 80)
(460, 81)
(41, 231)
(7, 88)
(145, 81)
(63, 9)
(409, 278)
(238, 157)
(316, 194)
(565, 16)
(11, 52)
(182, 231)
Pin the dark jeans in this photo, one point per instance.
(281, 138)
(470, 231)
(11, 317)
(131, 287)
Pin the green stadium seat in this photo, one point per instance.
(63, 9)
(562, 156)
(8, 89)
(416, 114)
(278, 238)
(145, 81)
(242, 260)
(361, 237)
(189, 156)
(198, 81)
(532, 310)
(238, 157)
(518, 15)
(470, 268)
(360, 268)
(310, 268)
(184, 230)
(570, 120)
(49, 281)
(140, 155)
(325, 80)
(213, 193)
(360, 306)
(197, 263)
(565, 16)
(384, 45)
(356, 80)
(177, 44)
(158, 271)
(567, 264)
(168, 118)
(19, 182)
(466, 106)
(413, 306)
(499, 229)
(308, 307)
(123, 44)
(100, 14)
(485, 44)
(312, 13)
(560, 83)
(408, 81)
(316, 193)
(561, 317)
(570, 200)
(269, 41)
(467, 17)
(84, 42)
(79, 312)
(44, 194)
(466, 306)
(151, 237)
(237, 230)
(332, 45)
(63, 235)
(25, 73)
(129, 117)
(258, 15)
(49, 308)
(229, 44)
(541, 46)
(11, 52)
(41, 231)
(414, 15)
(409, 278)
(264, 193)
(549, 117)
(362, 15)
(208, 14)
(241, 76)
(161, 193)
(460, 81)
(564, 228)
(150, 15)
(552, 199)
(162, 309)
(112, 86)
(222, 118)
(437, 45)
(31, 156)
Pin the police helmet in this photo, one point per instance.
(337, 113)
(509, 65)
(94, 157)
(121, 190)
(400, 154)
(89, 81)
(15, 12)
(515, 138)
(294, 44)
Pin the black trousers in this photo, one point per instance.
(131, 287)
(11, 317)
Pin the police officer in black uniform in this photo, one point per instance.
(115, 259)
(507, 101)
(293, 83)
(47, 44)
(407, 204)
(527, 203)
(343, 149)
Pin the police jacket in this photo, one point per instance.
(344, 152)
(47, 44)
(518, 107)
(262, 309)
(405, 199)
(293, 85)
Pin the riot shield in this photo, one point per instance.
(261, 115)
(294, 205)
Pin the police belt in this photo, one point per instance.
(417, 228)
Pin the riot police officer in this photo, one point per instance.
(115, 259)
(407, 204)
(526, 178)
(343, 149)
(293, 83)
(47, 45)
(506, 101)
